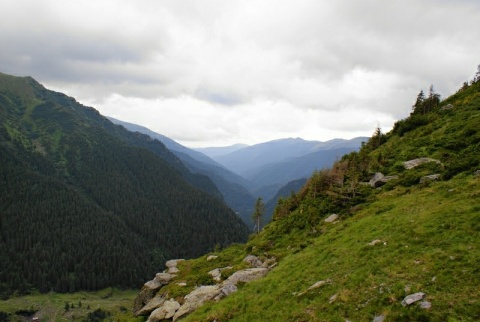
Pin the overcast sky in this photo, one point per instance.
(219, 72)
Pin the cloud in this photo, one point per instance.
(318, 69)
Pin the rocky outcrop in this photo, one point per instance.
(159, 308)
(416, 162)
(172, 265)
(431, 177)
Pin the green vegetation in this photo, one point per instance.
(388, 242)
(105, 305)
(86, 204)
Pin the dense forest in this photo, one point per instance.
(86, 204)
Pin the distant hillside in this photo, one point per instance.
(388, 233)
(233, 188)
(218, 151)
(86, 204)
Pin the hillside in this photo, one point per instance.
(86, 204)
(345, 248)
(231, 186)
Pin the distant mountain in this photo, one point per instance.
(249, 160)
(218, 151)
(286, 191)
(86, 204)
(232, 187)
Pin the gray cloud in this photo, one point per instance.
(308, 68)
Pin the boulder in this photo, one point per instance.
(331, 218)
(412, 298)
(247, 275)
(164, 278)
(153, 304)
(431, 177)
(416, 162)
(196, 298)
(166, 311)
(447, 107)
(376, 180)
(211, 258)
(253, 260)
(226, 290)
(172, 265)
(216, 274)
(147, 292)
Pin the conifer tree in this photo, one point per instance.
(258, 213)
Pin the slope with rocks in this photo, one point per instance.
(351, 249)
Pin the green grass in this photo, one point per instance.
(432, 236)
(51, 306)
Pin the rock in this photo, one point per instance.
(431, 177)
(425, 305)
(477, 173)
(172, 265)
(247, 275)
(447, 107)
(416, 162)
(412, 298)
(333, 298)
(376, 182)
(153, 304)
(318, 284)
(147, 292)
(379, 318)
(216, 274)
(226, 290)
(164, 278)
(253, 260)
(331, 218)
(182, 284)
(196, 298)
(375, 242)
(211, 258)
(166, 311)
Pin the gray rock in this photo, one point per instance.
(477, 173)
(172, 265)
(331, 218)
(253, 260)
(226, 290)
(375, 242)
(147, 292)
(431, 177)
(379, 318)
(164, 278)
(216, 274)
(317, 285)
(166, 311)
(416, 162)
(247, 275)
(152, 305)
(447, 107)
(211, 258)
(196, 298)
(412, 298)
(425, 305)
(376, 182)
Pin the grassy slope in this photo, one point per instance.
(51, 307)
(431, 234)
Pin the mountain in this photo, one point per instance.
(86, 204)
(218, 151)
(231, 186)
(388, 233)
(249, 160)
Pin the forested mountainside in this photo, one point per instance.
(86, 204)
(389, 233)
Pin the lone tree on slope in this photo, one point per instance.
(258, 213)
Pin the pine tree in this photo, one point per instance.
(258, 213)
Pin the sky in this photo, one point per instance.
(220, 72)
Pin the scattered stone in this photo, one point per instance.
(211, 258)
(166, 311)
(331, 218)
(333, 298)
(412, 298)
(172, 265)
(318, 284)
(216, 274)
(447, 107)
(452, 258)
(416, 162)
(477, 173)
(379, 318)
(253, 260)
(431, 177)
(434, 279)
(182, 284)
(407, 288)
(426, 305)
(375, 242)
